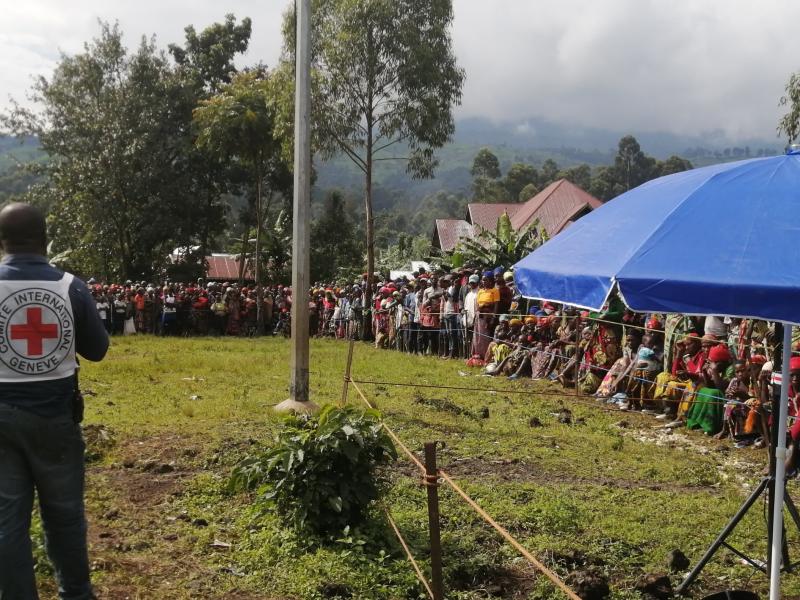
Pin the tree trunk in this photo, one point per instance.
(204, 239)
(243, 255)
(259, 295)
(370, 240)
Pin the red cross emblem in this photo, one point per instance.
(34, 331)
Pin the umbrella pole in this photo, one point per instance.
(776, 551)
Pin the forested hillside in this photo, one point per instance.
(524, 143)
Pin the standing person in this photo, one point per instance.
(487, 300)
(139, 303)
(219, 313)
(451, 311)
(103, 308)
(430, 315)
(120, 313)
(169, 312)
(470, 308)
(41, 447)
(505, 292)
(356, 313)
(410, 310)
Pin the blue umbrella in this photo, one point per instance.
(720, 240)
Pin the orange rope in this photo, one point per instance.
(532, 559)
(508, 537)
(413, 562)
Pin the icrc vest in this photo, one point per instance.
(37, 330)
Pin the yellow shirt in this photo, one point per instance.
(488, 297)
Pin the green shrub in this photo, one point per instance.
(322, 473)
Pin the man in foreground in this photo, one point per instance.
(46, 316)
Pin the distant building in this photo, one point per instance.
(556, 207)
(225, 267)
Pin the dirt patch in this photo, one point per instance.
(444, 405)
(136, 548)
(740, 463)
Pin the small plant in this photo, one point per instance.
(322, 473)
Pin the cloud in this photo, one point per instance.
(34, 33)
(637, 65)
(686, 67)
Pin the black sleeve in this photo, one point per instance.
(91, 339)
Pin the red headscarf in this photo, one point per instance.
(719, 353)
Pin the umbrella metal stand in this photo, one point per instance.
(769, 484)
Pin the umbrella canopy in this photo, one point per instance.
(718, 240)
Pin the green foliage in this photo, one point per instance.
(321, 474)
(528, 192)
(208, 56)
(789, 124)
(238, 125)
(518, 177)
(504, 246)
(123, 181)
(383, 86)
(335, 245)
(486, 183)
(485, 165)
(400, 254)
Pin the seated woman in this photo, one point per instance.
(621, 367)
(706, 411)
(641, 381)
(568, 374)
(555, 355)
(598, 358)
(674, 389)
(500, 336)
(529, 349)
(739, 392)
(517, 363)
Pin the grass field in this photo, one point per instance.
(168, 418)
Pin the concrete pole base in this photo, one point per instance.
(305, 408)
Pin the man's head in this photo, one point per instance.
(741, 370)
(633, 338)
(23, 229)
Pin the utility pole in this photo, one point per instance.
(298, 390)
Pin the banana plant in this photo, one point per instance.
(502, 247)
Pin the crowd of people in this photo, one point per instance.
(707, 373)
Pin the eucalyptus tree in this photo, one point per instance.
(385, 80)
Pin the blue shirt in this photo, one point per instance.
(53, 398)
(410, 305)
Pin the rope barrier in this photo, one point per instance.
(503, 532)
(551, 575)
(410, 556)
(509, 538)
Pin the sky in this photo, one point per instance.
(679, 66)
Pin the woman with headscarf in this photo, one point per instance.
(707, 408)
(488, 298)
(598, 358)
(233, 307)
